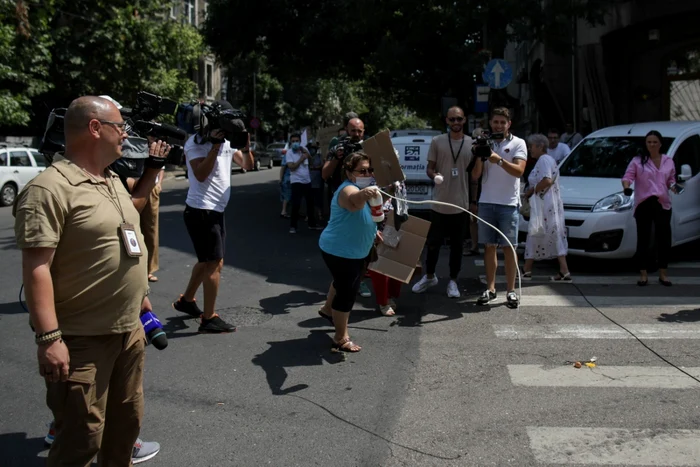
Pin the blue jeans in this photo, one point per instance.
(504, 218)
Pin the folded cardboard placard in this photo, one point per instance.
(386, 165)
(400, 262)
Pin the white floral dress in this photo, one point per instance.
(553, 243)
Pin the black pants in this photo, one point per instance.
(648, 213)
(347, 274)
(299, 191)
(453, 226)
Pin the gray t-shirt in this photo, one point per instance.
(452, 164)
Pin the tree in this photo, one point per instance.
(25, 57)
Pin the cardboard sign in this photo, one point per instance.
(386, 164)
(399, 262)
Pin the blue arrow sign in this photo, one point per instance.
(497, 74)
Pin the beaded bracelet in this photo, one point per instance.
(48, 337)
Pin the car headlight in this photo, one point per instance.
(617, 202)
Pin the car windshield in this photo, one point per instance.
(605, 157)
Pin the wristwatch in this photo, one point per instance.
(500, 161)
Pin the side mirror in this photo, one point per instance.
(686, 173)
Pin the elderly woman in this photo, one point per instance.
(543, 181)
(346, 244)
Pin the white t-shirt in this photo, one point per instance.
(560, 152)
(212, 194)
(497, 185)
(301, 174)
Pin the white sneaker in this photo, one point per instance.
(424, 284)
(453, 290)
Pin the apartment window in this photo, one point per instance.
(175, 10)
(191, 12)
(210, 78)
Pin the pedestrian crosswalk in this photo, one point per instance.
(626, 438)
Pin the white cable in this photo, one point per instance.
(515, 253)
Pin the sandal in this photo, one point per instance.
(346, 345)
(325, 316)
(152, 278)
(527, 274)
(665, 283)
(387, 310)
(562, 277)
(642, 283)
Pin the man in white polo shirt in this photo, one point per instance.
(556, 149)
(209, 158)
(499, 203)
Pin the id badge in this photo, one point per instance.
(455, 172)
(131, 240)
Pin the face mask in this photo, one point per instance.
(296, 146)
(363, 182)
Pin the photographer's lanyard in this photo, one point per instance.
(128, 232)
(455, 170)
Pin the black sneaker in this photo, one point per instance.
(216, 325)
(512, 300)
(486, 298)
(190, 308)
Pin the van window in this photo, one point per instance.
(605, 157)
(3, 159)
(39, 159)
(19, 159)
(688, 153)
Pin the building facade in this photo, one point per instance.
(643, 64)
(208, 74)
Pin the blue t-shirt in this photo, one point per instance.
(349, 234)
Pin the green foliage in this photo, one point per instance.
(25, 42)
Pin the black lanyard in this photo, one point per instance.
(454, 158)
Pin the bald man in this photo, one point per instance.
(85, 274)
(332, 167)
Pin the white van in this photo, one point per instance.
(412, 146)
(18, 166)
(598, 216)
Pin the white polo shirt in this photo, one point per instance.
(213, 193)
(560, 152)
(497, 185)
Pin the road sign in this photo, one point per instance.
(481, 102)
(498, 74)
(255, 123)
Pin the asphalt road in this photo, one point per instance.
(444, 383)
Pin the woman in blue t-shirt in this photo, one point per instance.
(347, 241)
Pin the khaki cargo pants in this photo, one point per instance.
(99, 409)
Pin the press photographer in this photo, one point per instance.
(349, 144)
(209, 153)
(501, 159)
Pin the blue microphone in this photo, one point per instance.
(154, 330)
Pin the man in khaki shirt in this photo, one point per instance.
(448, 158)
(85, 275)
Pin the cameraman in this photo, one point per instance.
(209, 156)
(499, 201)
(332, 169)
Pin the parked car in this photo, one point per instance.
(18, 166)
(413, 146)
(598, 216)
(260, 156)
(277, 151)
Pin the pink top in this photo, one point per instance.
(650, 181)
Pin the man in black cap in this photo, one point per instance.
(209, 156)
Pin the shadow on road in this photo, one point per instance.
(17, 450)
(682, 316)
(12, 308)
(292, 353)
(282, 304)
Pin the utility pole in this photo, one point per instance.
(255, 104)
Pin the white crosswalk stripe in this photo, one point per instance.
(607, 445)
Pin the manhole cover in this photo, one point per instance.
(244, 315)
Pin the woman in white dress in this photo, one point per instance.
(543, 181)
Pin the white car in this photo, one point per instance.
(18, 165)
(413, 147)
(598, 216)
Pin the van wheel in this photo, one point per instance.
(8, 194)
(270, 164)
(257, 165)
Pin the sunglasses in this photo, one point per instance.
(364, 171)
(121, 126)
(455, 119)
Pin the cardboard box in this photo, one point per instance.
(386, 164)
(399, 263)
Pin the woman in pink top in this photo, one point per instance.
(653, 175)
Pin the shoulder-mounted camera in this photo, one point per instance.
(484, 143)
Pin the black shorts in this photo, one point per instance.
(207, 230)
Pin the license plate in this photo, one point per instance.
(417, 189)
